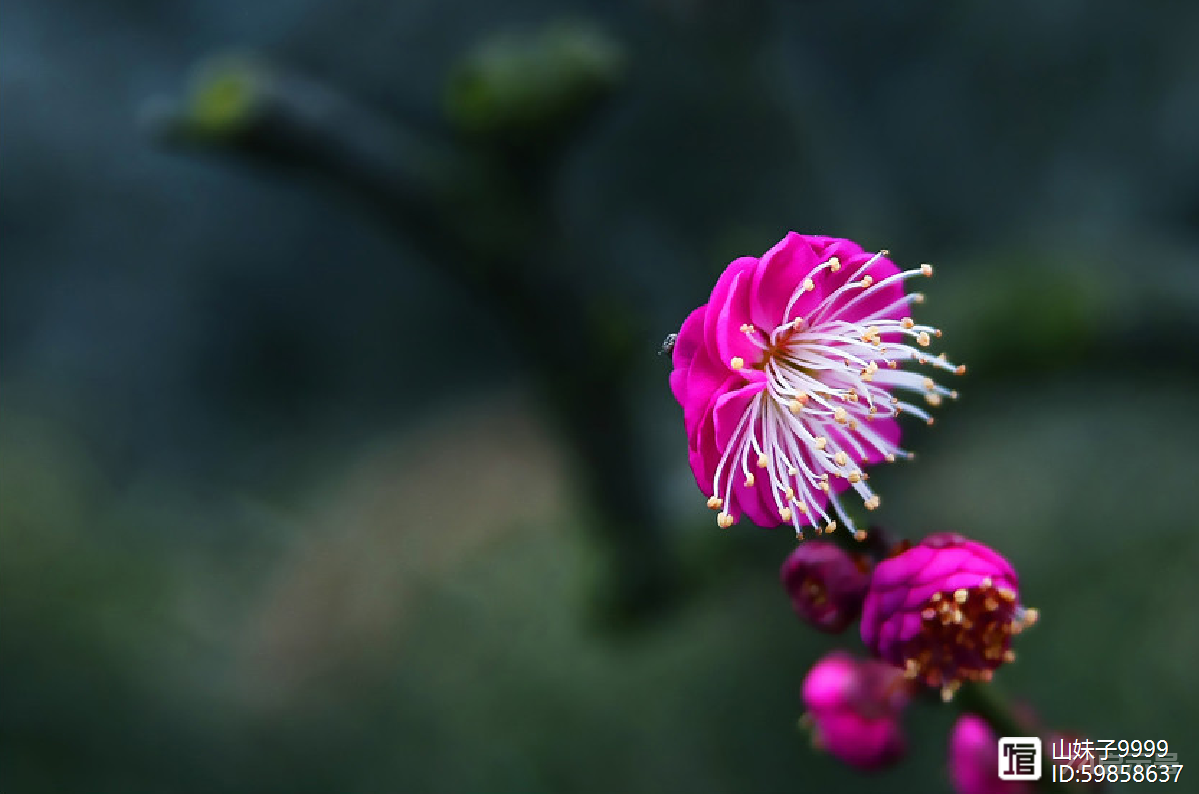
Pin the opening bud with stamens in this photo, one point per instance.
(945, 611)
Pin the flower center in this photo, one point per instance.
(814, 591)
(964, 635)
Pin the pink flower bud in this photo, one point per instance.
(974, 760)
(854, 707)
(826, 585)
(944, 611)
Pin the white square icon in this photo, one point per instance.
(1020, 758)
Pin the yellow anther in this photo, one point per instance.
(889, 458)
(808, 285)
(763, 461)
(960, 595)
(873, 502)
(785, 514)
(929, 384)
(792, 471)
(749, 480)
(907, 322)
(830, 526)
(715, 502)
(859, 535)
(795, 406)
(1031, 616)
(789, 493)
(986, 582)
(820, 442)
(933, 399)
(867, 280)
(801, 507)
(922, 339)
(1009, 656)
(854, 477)
(737, 362)
(746, 328)
(961, 370)
(823, 485)
(724, 520)
(918, 297)
(841, 458)
(840, 415)
(926, 270)
(834, 264)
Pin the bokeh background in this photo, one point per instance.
(316, 483)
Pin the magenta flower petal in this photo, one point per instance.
(719, 300)
(733, 315)
(690, 338)
(818, 330)
(829, 684)
(944, 611)
(854, 708)
(826, 585)
(783, 266)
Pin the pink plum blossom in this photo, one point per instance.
(789, 379)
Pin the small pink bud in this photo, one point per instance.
(854, 707)
(826, 585)
(974, 760)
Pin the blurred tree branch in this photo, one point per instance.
(477, 202)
